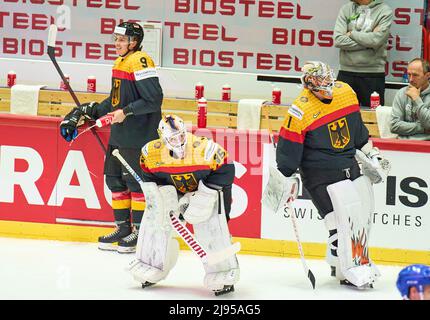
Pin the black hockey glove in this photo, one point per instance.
(68, 127)
(89, 109)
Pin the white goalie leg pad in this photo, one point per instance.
(201, 204)
(143, 272)
(353, 204)
(214, 236)
(157, 250)
(332, 260)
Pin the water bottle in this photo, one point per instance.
(276, 96)
(202, 113)
(104, 121)
(374, 100)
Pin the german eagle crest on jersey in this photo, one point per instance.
(184, 182)
(339, 133)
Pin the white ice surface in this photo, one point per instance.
(41, 269)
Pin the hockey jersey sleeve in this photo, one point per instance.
(362, 134)
(289, 152)
(103, 108)
(147, 175)
(222, 173)
(148, 86)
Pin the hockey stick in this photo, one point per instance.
(209, 258)
(182, 230)
(52, 36)
(308, 272)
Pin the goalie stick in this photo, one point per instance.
(289, 207)
(52, 36)
(182, 230)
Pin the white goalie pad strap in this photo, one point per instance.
(279, 190)
(184, 202)
(330, 221)
(214, 236)
(159, 202)
(353, 204)
(154, 209)
(217, 280)
(143, 272)
(201, 204)
(170, 202)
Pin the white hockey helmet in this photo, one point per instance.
(173, 133)
(319, 78)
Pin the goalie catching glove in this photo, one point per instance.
(374, 165)
(280, 189)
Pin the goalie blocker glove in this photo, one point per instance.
(68, 127)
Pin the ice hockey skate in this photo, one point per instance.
(109, 242)
(128, 243)
(224, 290)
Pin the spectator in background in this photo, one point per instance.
(410, 117)
(413, 282)
(361, 33)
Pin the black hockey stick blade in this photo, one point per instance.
(311, 279)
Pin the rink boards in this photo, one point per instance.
(52, 190)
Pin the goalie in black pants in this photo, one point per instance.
(135, 104)
(322, 136)
(191, 176)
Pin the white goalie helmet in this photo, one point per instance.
(319, 78)
(173, 133)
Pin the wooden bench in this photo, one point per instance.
(221, 114)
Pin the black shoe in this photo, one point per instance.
(108, 242)
(128, 243)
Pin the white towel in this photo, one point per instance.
(24, 99)
(383, 117)
(248, 114)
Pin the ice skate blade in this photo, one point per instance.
(107, 246)
(126, 249)
(147, 284)
(349, 284)
(223, 291)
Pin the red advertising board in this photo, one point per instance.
(45, 179)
